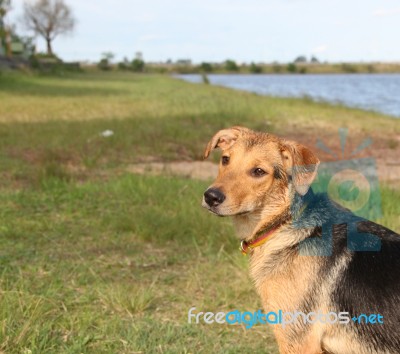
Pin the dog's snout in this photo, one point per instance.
(214, 197)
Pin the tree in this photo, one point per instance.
(206, 67)
(105, 61)
(124, 64)
(291, 67)
(230, 65)
(301, 59)
(137, 65)
(48, 18)
(314, 59)
(255, 69)
(109, 56)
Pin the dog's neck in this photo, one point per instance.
(249, 225)
(246, 224)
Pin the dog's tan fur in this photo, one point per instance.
(255, 204)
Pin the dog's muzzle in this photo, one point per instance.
(214, 197)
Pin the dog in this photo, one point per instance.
(307, 253)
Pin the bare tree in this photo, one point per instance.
(48, 18)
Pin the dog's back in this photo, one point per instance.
(367, 283)
(370, 286)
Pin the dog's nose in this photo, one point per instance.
(214, 197)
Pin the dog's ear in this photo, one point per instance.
(300, 163)
(223, 139)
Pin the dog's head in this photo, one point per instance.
(258, 173)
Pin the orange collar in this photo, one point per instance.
(246, 247)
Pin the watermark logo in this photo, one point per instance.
(352, 182)
(249, 319)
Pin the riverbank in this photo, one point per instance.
(48, 120)
(377, 92)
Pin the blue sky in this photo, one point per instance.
(245, 30)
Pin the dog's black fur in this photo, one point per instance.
(370, 283)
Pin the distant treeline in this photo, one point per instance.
(230, 66)
(52, 64)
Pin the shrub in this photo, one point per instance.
(291, 67)
(230, 65)
(301, 59)
(277, 68)
(255, 69)
(104, 64)
(137, 65)
(206, 67)
(122, 66)
(349, 68)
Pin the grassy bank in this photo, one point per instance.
(53, 125)
(94, 260)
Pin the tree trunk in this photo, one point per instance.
(49, 48)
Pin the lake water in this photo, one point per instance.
(376, 92)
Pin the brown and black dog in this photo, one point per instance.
(302, 247)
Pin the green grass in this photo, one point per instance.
(115, 266)
(94, 260)
(49, 121)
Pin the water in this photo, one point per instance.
(376, 92)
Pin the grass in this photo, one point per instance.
(94, 260)
(98, 267)
(52, 125)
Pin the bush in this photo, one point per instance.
(349, 68)
(104, 64)
(46, 56)
(51, 64)
(206, 67)
(291, 67)
(277, 68)
(230, 65)
(137, 65)
(255, 69)
(122, 66)
(34, 62)
(301, 59)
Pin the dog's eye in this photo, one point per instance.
(258, 172)
(225, 160)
